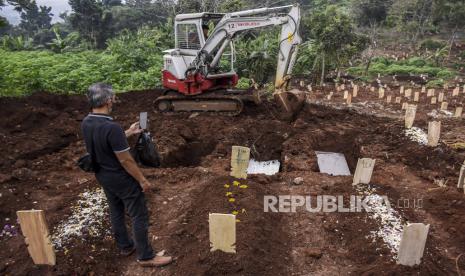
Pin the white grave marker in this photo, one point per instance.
(434, 131)
(381, 93)
(412, 244)
(433, 100)
(364, 171)
(441, 97)
(416, 96)
(444, 105)
(458, 112)
(461, 182)
(388, 98)
(410, 115)
(408, 93)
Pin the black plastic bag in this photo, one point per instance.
(145, 152)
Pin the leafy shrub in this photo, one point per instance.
(416, 61)
(435, 83)
(412, 66)
(432, 44)
(445, 74)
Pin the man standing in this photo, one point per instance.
(118, 174)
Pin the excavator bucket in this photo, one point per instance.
(290, 102)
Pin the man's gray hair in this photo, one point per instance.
(99, 93)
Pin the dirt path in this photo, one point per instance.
(42, 142)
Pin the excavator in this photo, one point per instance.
(194, 76)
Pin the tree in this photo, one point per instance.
(450, 13)
(34, 18)
(370, 12)
(92, 21)
(412, 17)
(334, 38)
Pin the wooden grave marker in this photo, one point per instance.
(302, 83)
(349, 98)
(401, 91)
(355, 91)
(239, 161)
(444, 105)
(37, 237)
(441, 97)
(458, 112)
(346, 94)
(410, 113)
(456, 91)
(363, 171)
(381, 93)
(408, 93)
(222, 232)
(423, 89)
(404, 105)
(433, 100)
(416, 96)
(388, 99)
(398, 100)
(430, 93)
(412, 244)
(434, 131)
(461, 182)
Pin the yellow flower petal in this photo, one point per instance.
(238, 220)
(232, 199)
(236, 183)
(243, 186)
(228, 193)
(226, 185)
(235, 213)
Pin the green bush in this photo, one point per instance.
(24, 72)
(432, 44)
(412, 66)
(416, 61)
(439, 83)
(132, 61)
(445, 74)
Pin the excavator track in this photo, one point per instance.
(172, 102)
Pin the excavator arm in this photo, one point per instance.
(233, 23)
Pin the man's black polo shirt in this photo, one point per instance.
(108, 138)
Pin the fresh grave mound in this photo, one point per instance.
(259, 234)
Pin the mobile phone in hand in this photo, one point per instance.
(143, 120)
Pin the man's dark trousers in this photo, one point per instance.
(124, 192)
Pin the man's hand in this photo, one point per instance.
(146, 185)
(133, 129)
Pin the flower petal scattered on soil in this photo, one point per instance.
(392, 223)
(87, 219)
(417, 134)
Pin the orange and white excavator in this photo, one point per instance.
(194, 76)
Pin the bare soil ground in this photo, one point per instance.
(40, 141)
